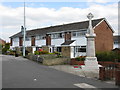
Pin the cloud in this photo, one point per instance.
(102, 1)
(12, 18)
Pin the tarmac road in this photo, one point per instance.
(18, 72)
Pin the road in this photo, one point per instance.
(18, 72)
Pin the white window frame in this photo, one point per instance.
(39, 37)
(16, 40)
(27, 38)
(57, 35)
(79, 33)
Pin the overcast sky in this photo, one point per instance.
(42, 14)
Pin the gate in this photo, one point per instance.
(110, 72)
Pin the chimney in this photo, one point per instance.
(67, 36)
(48, 39)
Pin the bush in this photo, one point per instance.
(51, 53)
(58, 54)
(6, 48)
(108, 56)
(11, 52)
(36, 52)
(40, 52)
(81, 58)
(43, 52)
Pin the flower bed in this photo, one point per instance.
(75, 62)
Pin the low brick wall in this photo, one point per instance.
(106, 63)
(49, 59)
(56, 61)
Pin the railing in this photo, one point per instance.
(110, 72)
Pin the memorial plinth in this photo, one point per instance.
(91, 63)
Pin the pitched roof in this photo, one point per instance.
(58, 28)
(68, 42)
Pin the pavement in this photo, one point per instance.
(76, 70)
(18, 72)
(80, 72)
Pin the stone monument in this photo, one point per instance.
(90, 60)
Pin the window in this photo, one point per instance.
(115, 42)
(58, 49)
(79, 33)
(37, 48)
(57, 35)
(81, 49)
(27, 39)
(15, 39)
(74, 34)
(40, 37)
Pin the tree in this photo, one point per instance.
(5, 48)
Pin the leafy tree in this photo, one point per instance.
(5, 48)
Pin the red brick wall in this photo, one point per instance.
(48, 40)
(67, 36)
(2, 42)
(104, 37)
(20, 41)
(32, 41)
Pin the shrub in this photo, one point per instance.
(11, 52)
(36, 52)
(40, 52)
(108, 56)
(58, 54)
(81, 58)
(43, 52)
(51, 53)
(6, 48)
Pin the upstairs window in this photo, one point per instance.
(40, 37)
(57, 35)
(115, 42)
(79, 33)
(15, 39)
(27, 39)
(74, 34)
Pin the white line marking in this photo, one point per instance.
(84, 85)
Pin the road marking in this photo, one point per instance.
(84, 85)
(35, 79)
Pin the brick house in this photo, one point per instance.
(2, 42)
(69, 39)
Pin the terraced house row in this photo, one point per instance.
(69, 39)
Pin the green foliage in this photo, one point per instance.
(40, 52)
(0, 48)
(36, 52)
(81, 58)
(6, 48)
(58, 54)
(51, 53)
(11, 52)
(108, 56)
(43, 52)
(0, 45)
